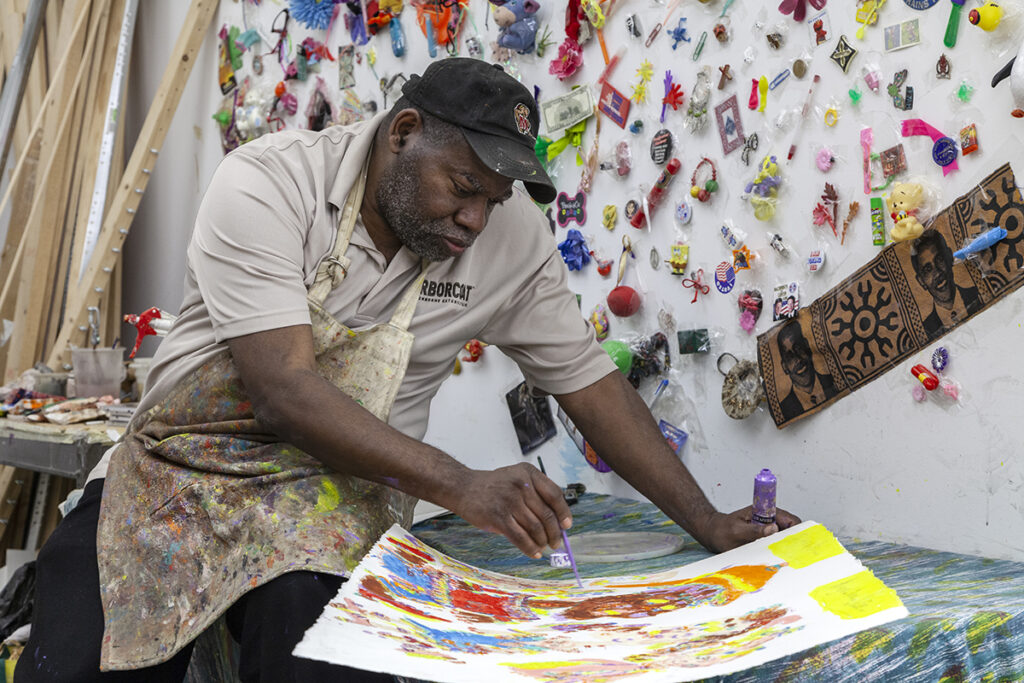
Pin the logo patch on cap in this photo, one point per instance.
(522, 114)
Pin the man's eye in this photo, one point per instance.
(462, 191)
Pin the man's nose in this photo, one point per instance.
(472, 215)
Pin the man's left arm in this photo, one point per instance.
(617, 424)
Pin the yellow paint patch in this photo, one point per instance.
(532, 666)
(983, 623)
(328, 498)
(856, 596)
(866, 642)
(804, 548)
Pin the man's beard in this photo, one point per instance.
(396, 197)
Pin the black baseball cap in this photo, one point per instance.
(497, 114)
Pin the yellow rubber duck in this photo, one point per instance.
(986, 17)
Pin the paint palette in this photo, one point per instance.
(623, 546)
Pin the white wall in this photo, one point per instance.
(154, 256)
(875, 465)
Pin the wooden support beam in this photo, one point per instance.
(96, 279)
(20, 207)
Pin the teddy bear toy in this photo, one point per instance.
(904, 202)
(518, 22)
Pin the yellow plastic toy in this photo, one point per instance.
(904, 202)
(763, 192)
(867, 14)
(679, 255)
(986, 17)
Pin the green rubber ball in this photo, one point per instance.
(620, 354)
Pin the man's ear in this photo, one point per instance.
(405, 126)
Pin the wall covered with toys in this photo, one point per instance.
(795, 226)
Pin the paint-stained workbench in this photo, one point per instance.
(966, 618)
(62, 450)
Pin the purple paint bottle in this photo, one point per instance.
(764, 497)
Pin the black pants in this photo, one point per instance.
(67, 619)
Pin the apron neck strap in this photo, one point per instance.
(407, 306)
(334, 268)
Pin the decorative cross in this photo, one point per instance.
(726, 76)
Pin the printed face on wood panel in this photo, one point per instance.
(911, 294)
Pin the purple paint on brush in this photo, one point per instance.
(764, 497)
(572, 560)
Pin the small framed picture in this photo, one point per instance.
(531, 416)
(904, 34)
(614, 105)
(821, 27)
(730, 128)
(969, 139)
(787, 301)
(894, 160)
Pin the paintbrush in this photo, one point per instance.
(565, 536)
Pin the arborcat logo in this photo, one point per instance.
(446, 292)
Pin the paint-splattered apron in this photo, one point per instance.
(202, 504)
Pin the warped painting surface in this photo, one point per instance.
(412, 611)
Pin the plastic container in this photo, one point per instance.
(140, 369)
(98, 372)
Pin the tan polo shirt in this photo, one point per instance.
(270, 216)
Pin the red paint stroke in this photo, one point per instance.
(718, 588)
(411, 551)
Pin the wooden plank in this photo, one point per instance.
(54, 224)
(13, 22)
(20, 208)
(30, 294)
(35, 87)
(11, 497)
(113, 320)
(96, 126)
(92, 96)
(22, 510)
(8, 496)
(33, 276)
(136, 176)
(50, 37)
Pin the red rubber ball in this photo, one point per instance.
(623, 301)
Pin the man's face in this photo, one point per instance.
(796, 357)
(437, 200)
(935, 274)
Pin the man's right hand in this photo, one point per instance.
(518, 502)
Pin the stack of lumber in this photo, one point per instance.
(52, 167)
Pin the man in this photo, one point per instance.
(810, 388)
(932, 260)
(280, 435)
